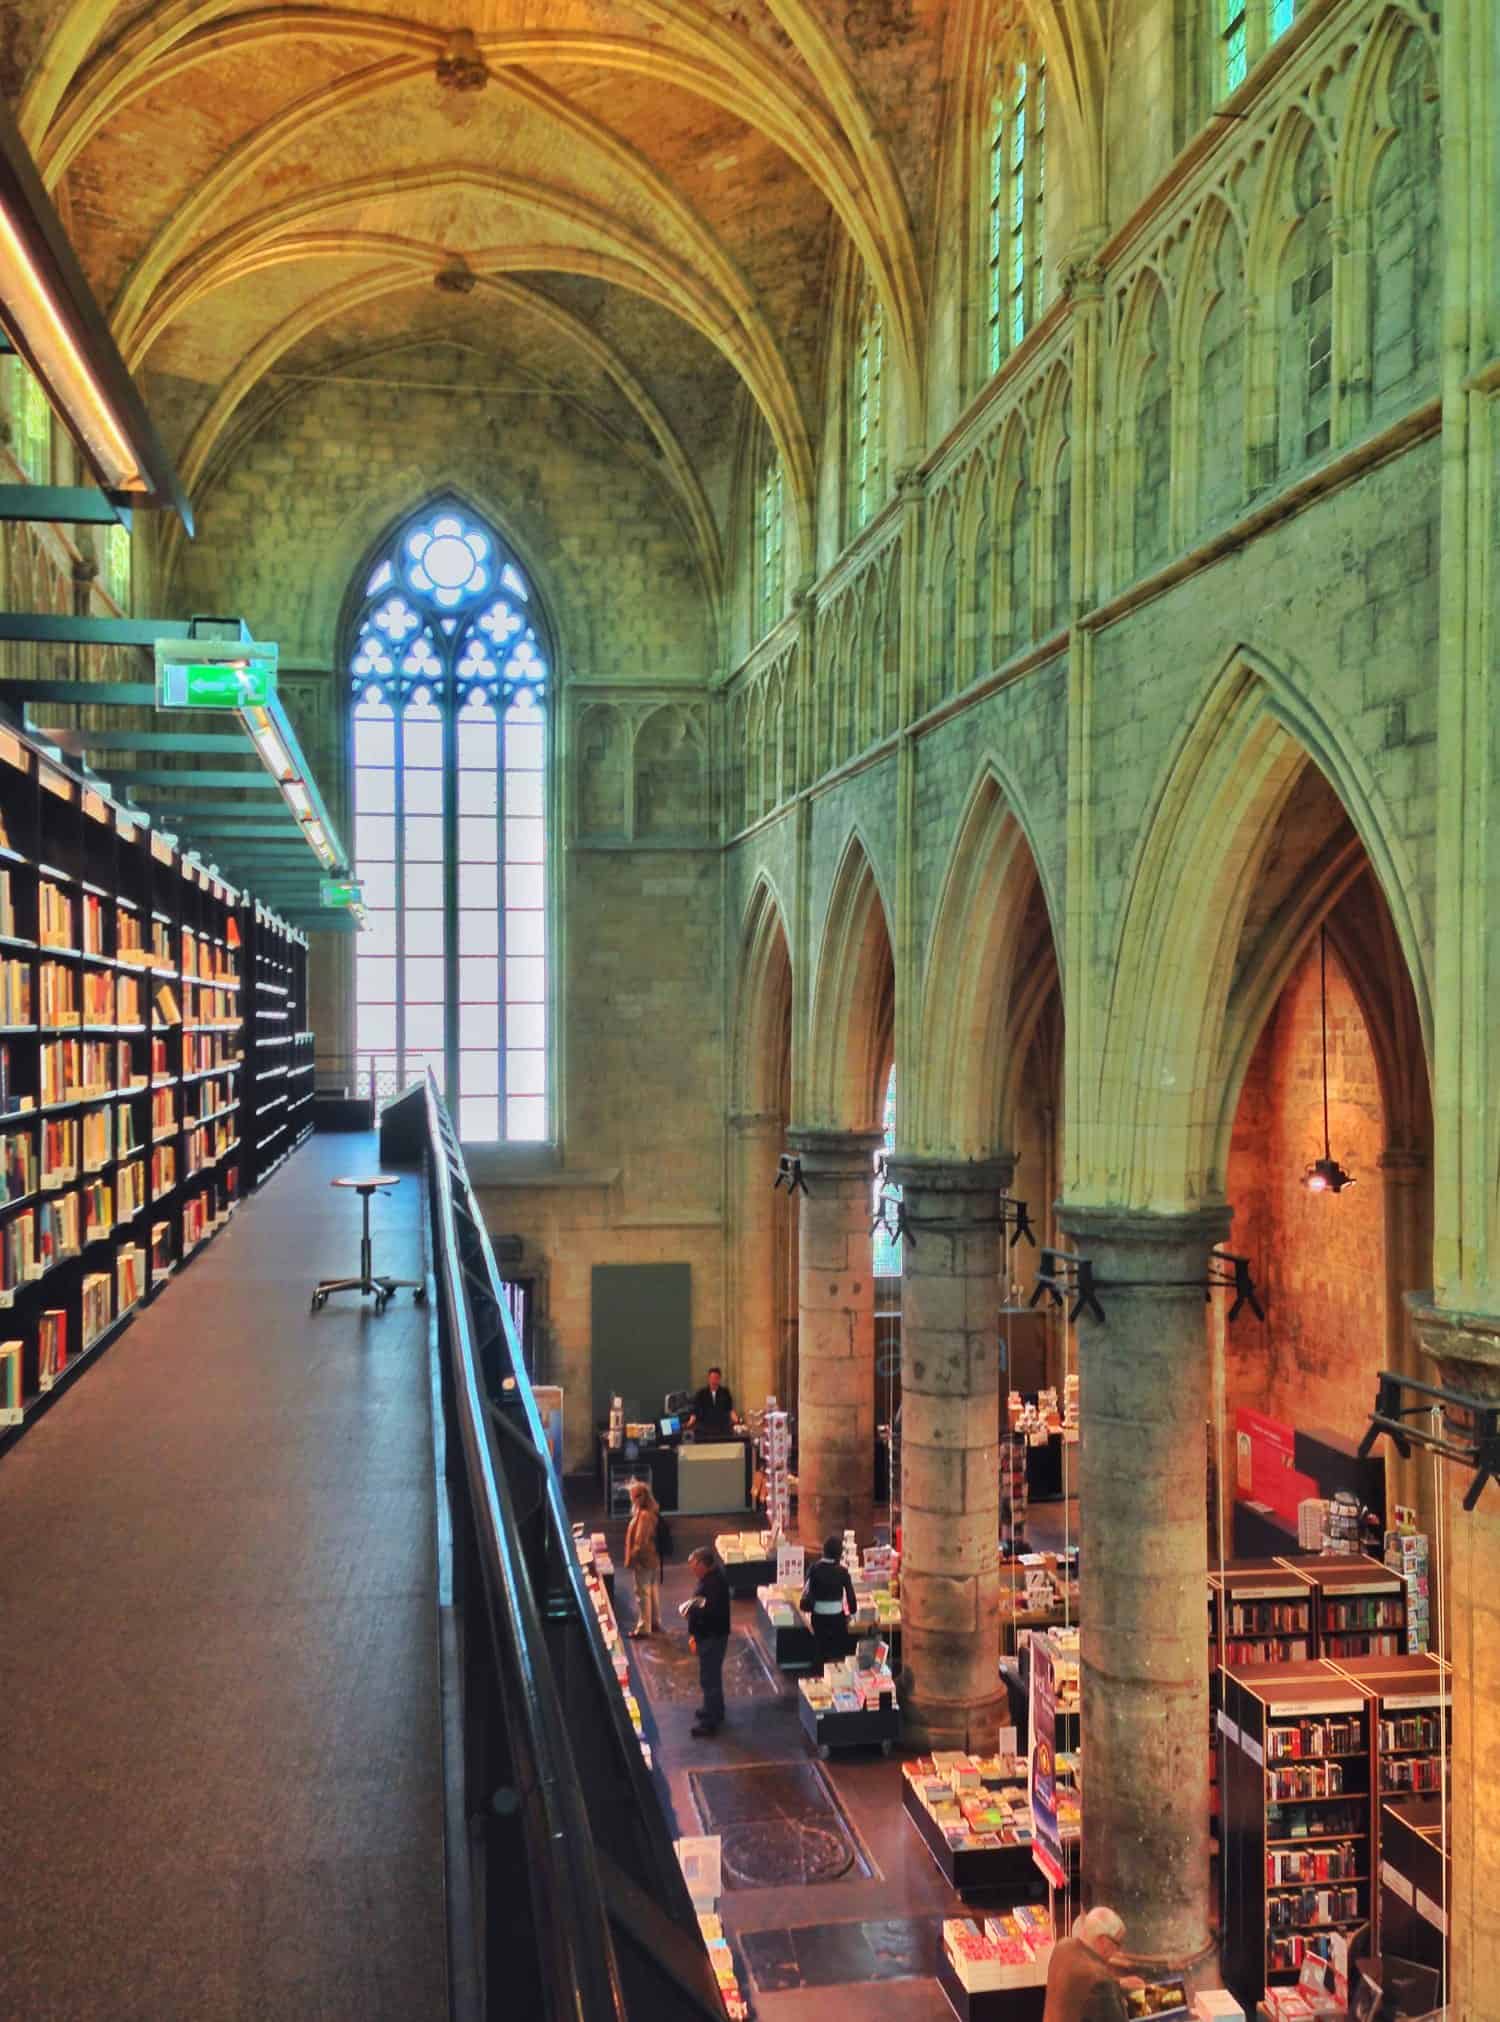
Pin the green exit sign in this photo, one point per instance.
(199, 674)
(341, 892)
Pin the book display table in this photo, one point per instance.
(1006, 1872)
(997, 2004)
(790, 1642)
(869, 1728)
(747, 1560)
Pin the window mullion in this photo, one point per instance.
(502, 995)
(399, 757)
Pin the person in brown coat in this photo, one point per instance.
(1081, 1985)
(643, 1559)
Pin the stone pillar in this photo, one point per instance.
(835, 1333)
(1406, 1176)
(1466, 1348)
(1143, 1609)
(755, 1144)
(951, 1692)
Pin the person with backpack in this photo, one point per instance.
(643, 1558)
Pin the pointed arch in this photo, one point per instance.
(1152, 1140)
(1210, 419)
(1143, 428)
(763, 1004)
(853, 1001)
(978, 974)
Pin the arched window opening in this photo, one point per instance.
(1245, 30)
(770, 516)
(867, 413)
(1017, 187)
(887, 1262)
(449, 671)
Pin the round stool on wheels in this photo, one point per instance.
(385, 1289)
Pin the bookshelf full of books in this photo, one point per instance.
(122, 1109)
(1298, 1818)
(275, 1016)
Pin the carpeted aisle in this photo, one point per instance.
(221, 1793)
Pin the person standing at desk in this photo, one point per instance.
(713, 1416)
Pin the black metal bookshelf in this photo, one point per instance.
(128, 1111)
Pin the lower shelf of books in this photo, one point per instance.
(994, 2004)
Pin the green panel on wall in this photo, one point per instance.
(642, 1335)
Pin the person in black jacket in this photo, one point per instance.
(827, 1599)
(707, 1616)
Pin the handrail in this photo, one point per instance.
(535, 1597)
(585, 1980)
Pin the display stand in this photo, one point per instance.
(869, 1728)
(999, 2004)
(1007, 1872)
(791, 1645)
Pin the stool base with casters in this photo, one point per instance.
(385, 1289)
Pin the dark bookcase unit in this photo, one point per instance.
(1415, 1885)
(1413, 1736)
(124, 1106)
(1298, 1823)
(1261, 1612)
(279, 1058)
(1361, 1606)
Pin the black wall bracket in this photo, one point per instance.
(1469, 1435)
(1063, 1275)
(789, 1174)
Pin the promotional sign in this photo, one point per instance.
(341, 892)
(1263, 1465)
(791, 1562)
(1047, 1849)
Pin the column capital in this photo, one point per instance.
(835, 1154)
(1466, 1346)
(1207, 1225)
(949, 1175)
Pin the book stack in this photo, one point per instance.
(130, 1190)
(10, 1383)
(1407, 1552)
(740, 1548)
(54, 917)
(98, 997)
(56, 1231)
(989, 1954)
(975, 1802)
(16, 1240)
(1342, 1526)
(52, 1347)
(775, 1460)
(130, 1276)
(15, 993)
(17, 1166)
(722, 1960)
(97, 1133)
(98, 1305)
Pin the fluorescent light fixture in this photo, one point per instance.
(49, 312)
(298, 799)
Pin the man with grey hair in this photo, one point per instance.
(1081, 1986)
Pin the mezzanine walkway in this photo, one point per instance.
(220, 1746)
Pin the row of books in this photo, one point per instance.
(60, 1146)
(17, 1166)
(1278, 1650)
(1368, 1643)
(1313, 1909)
(98, 1209)
(1363, 1612)
(130, 1190)
(1305, 1779)
(1411, 1772)
(1269, 1618)
(54, 916)
(1315, 1737)
(989, 1954)
(71, 1069)
(1312, 1864)
(7, 906)
(202, 1050)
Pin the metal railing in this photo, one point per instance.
(565, 1895)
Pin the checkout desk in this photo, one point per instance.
(687, 1480)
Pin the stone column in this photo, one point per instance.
(951, 1692)
(755, 1143)
(1406, 1176)
(835, 1333)
(1143, 1609)
(1466, 1349)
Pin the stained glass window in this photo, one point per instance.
(449, 668)
(867, 417)
(887, 1247)
(1232, 40)
(1017, 178)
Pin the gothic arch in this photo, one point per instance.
(764, 1004)
(1153, 1137)
(850, 1039)
(978, 1000)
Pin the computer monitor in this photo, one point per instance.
(671, 1428)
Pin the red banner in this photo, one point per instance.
(1263, 1469)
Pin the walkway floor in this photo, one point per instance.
(221, 1778)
